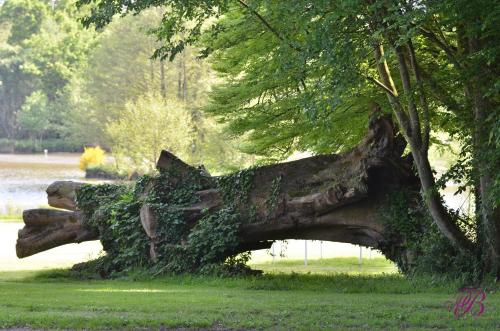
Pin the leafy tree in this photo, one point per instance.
(120, 70)
(43, 51)
(25, 18)
(151, 123)
(55, 54)
(435, 63)
(15, 86)
(35, 114)
(19, 19)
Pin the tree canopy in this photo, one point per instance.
(304, 75)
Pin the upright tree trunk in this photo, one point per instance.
(489, 212)
(184, 78)
(163, 87)
(476, 79)
(179, 78)
(409, 123)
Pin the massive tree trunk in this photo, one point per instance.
(327, 197)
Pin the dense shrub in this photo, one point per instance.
(104, 172)
(92, 156)
(421, 248)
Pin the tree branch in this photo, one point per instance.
(422, 96)
(412, 108)
(273, 31)
(449, 52)
(381, 85)
(387, 81)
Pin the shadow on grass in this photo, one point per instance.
(334, 283)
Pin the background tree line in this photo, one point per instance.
(64, 87)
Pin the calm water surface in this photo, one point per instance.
(23, 181)
(24, 178)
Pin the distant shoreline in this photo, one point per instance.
(28, 146)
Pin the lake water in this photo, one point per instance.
(23, 181)
(24, 178)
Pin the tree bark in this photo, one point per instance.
(325, 197)
(47, 228)
(410, 127)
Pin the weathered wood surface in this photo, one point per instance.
(326, 197)
(47, 228)
(62, 194)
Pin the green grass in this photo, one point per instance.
(276, 301)
(11, 218)
(15, 213)
(347, 264)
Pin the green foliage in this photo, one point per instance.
(168, 125)
(162, 96)
(32, 146)
(422, 248)
(43, 51)
(34, 116)
(120, 72)
(209, 246)
(25, 17)
(112, 210)
(105, 172)
(56, 54)
(273, 195)
(235, 187)
(274, 91)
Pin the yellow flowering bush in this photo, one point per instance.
(91, 156)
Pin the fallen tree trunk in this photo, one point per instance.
(327, 197)
(47, 228)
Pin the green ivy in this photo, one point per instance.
(113, 210)
(414, 242)
(236, 187)
(272, 200)
(209, 246)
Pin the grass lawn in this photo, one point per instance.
(10, 218)
(327, 298)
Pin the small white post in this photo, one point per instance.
(370, 252)
(305, 252)
(321, 249)
(46, 153)
(360, 254)
(272, 248)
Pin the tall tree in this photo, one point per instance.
(43, 51)
(120, 71)
(288, 78)
(20, 19)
